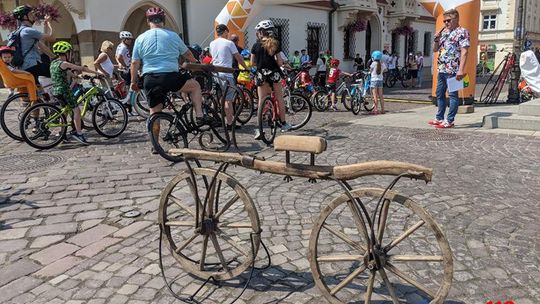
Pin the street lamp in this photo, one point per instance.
(513, 91)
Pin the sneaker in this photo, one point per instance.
(258, 135)
(153, 151)
(202, 120)
(435, 122)
(80, 138)
(445, 125)
(286, 127)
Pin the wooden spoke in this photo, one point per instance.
(180, 204)
(211, 198)
(345, 238)
(227, 206)
(369, 290)
(383, 217)
(389, 286)
(340, 258)
(357, 217)
(231, 242)
(186, 242)
(236, 225)
(348, 279)
(180, 223)
(408, 279)
(415, 258)
(404, 235)
(219, 252)
(203, 253)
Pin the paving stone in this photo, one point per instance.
(58, 267)
(96, 214)
(128, 289)
(44, 241)
(97, 247)
(12, 245)
(61, 218)
(132, 229)
(77, 201)
(152, 269)
(127, 271)
(50, 210)
(16, 270)
(89, 224)
(27, 223)
(59, 279)
(108, 197)
(62, 228)
(92, 235)
(11, 234)
(18, 287)
(54, 253)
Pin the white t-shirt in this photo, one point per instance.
(222, 51)
(321, 67)
(108, 66)
(392, 63)
(386, 59)
(373, 69)
(123, 50)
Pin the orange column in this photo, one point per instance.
(237, 14)
(469, 18)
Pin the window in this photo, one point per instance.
(427, 43)
(313, 38)
(282, 28)
(489, 22)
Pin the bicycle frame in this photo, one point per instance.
(68, 110)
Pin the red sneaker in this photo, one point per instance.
(445, 125)
(435, 122)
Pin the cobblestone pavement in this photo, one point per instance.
(64, 237)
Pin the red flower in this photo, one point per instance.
(43, 10)
(7, 21)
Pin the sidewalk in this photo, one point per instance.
(417, 118)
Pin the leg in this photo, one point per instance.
(441, 95)
(193, 88)
(454, 105)
(375, 100)
(381, 98)
(77, 120)
(333, 99)
(156, 109)
(278, 92)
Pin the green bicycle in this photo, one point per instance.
(44, 125)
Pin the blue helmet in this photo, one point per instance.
(245, 53)
(377, 55)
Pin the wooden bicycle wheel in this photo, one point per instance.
(220, 245)
(412, 265)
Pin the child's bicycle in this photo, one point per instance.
(44, 125)
(360, 94)
(322, 99)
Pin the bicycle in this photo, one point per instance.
(401, 75)
(492, 89)
(322, 99)
(361, 95)
(361, 235)
(44, 125)
(131, 100)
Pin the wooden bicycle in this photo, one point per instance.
(367, 244)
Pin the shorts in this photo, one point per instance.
(375, 84)
(413, 73)
(223, 81)
(331, 87)
(40, 69)
(126, 75)
(67, 99)
(267, 76)
(158, 85)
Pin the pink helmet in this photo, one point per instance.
(154, 11)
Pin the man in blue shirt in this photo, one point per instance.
(305, 58)
(159, 50)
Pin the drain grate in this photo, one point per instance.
(27, 162)
(435, 135)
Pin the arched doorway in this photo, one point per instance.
(373, 36)
(136, 20)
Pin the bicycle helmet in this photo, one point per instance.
(334, 61)
(20, 11)
(245, 53)
(377, 55)
(7, 49)
(125, 35)
(61, 47)
(264, 25)
(155, 12)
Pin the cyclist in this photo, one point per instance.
(264, 56)
(377, 68)
(159, 50)
(224, 52)
(331, 83)
(244, 78)
(32, 40)
(123, 56)
(61, 70)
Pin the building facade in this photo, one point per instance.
(312, 25)
(499, 28)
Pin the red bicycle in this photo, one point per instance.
(495, 83)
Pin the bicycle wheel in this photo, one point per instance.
(320, 101)
(356, 104)
(346, 99)
(244, 107)
(489, 89)
(11, 114)
(140, 103)
(86, 119)
(171, 135)
(109, 118)
(391, 81)
(43, 126)
(299, 112)
(404, 78)
(413, 264)
(368, 102)
(267, 121)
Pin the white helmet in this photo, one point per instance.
(125, 35)
(264, 25)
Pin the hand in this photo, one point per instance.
(47, 18)
(460, 75)
(134, 87)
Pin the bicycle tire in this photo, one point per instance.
(356, 104)
(171, 135)
(266, 120)
(485, 91)
(10, 109)
(32, 132)
(140, 103)
(391, 81)
(106, 112)
(245, 111)
(320, 101)
(300, 111)
(346, 99)
(368, 103)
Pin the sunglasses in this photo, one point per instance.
(448, 20)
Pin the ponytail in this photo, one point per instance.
(379, 67)
(270, 45)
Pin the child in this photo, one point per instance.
(7, 57)
(61, 83)
(333, 76)
(376, 69)
(304, 79)
(244, 78)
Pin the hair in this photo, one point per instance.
(379, 66)
(270, 43)
(451, 12)
(105, 45)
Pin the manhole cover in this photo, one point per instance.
(132, 213)
(28, 162)
(435, 135)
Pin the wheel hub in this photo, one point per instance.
(208, 226)
(376, 259)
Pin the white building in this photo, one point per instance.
(313, 25)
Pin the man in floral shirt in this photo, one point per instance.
(453, 44)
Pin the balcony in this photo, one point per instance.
(403, 9)
(368, 6)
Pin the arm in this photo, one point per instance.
(67, 65)
(43, 48)
(253, 60)
(120, 60)
(240, 60)
(48, 32)
(135, 65)
(189, 57)
(462, 63)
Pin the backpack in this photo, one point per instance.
(14, 40)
